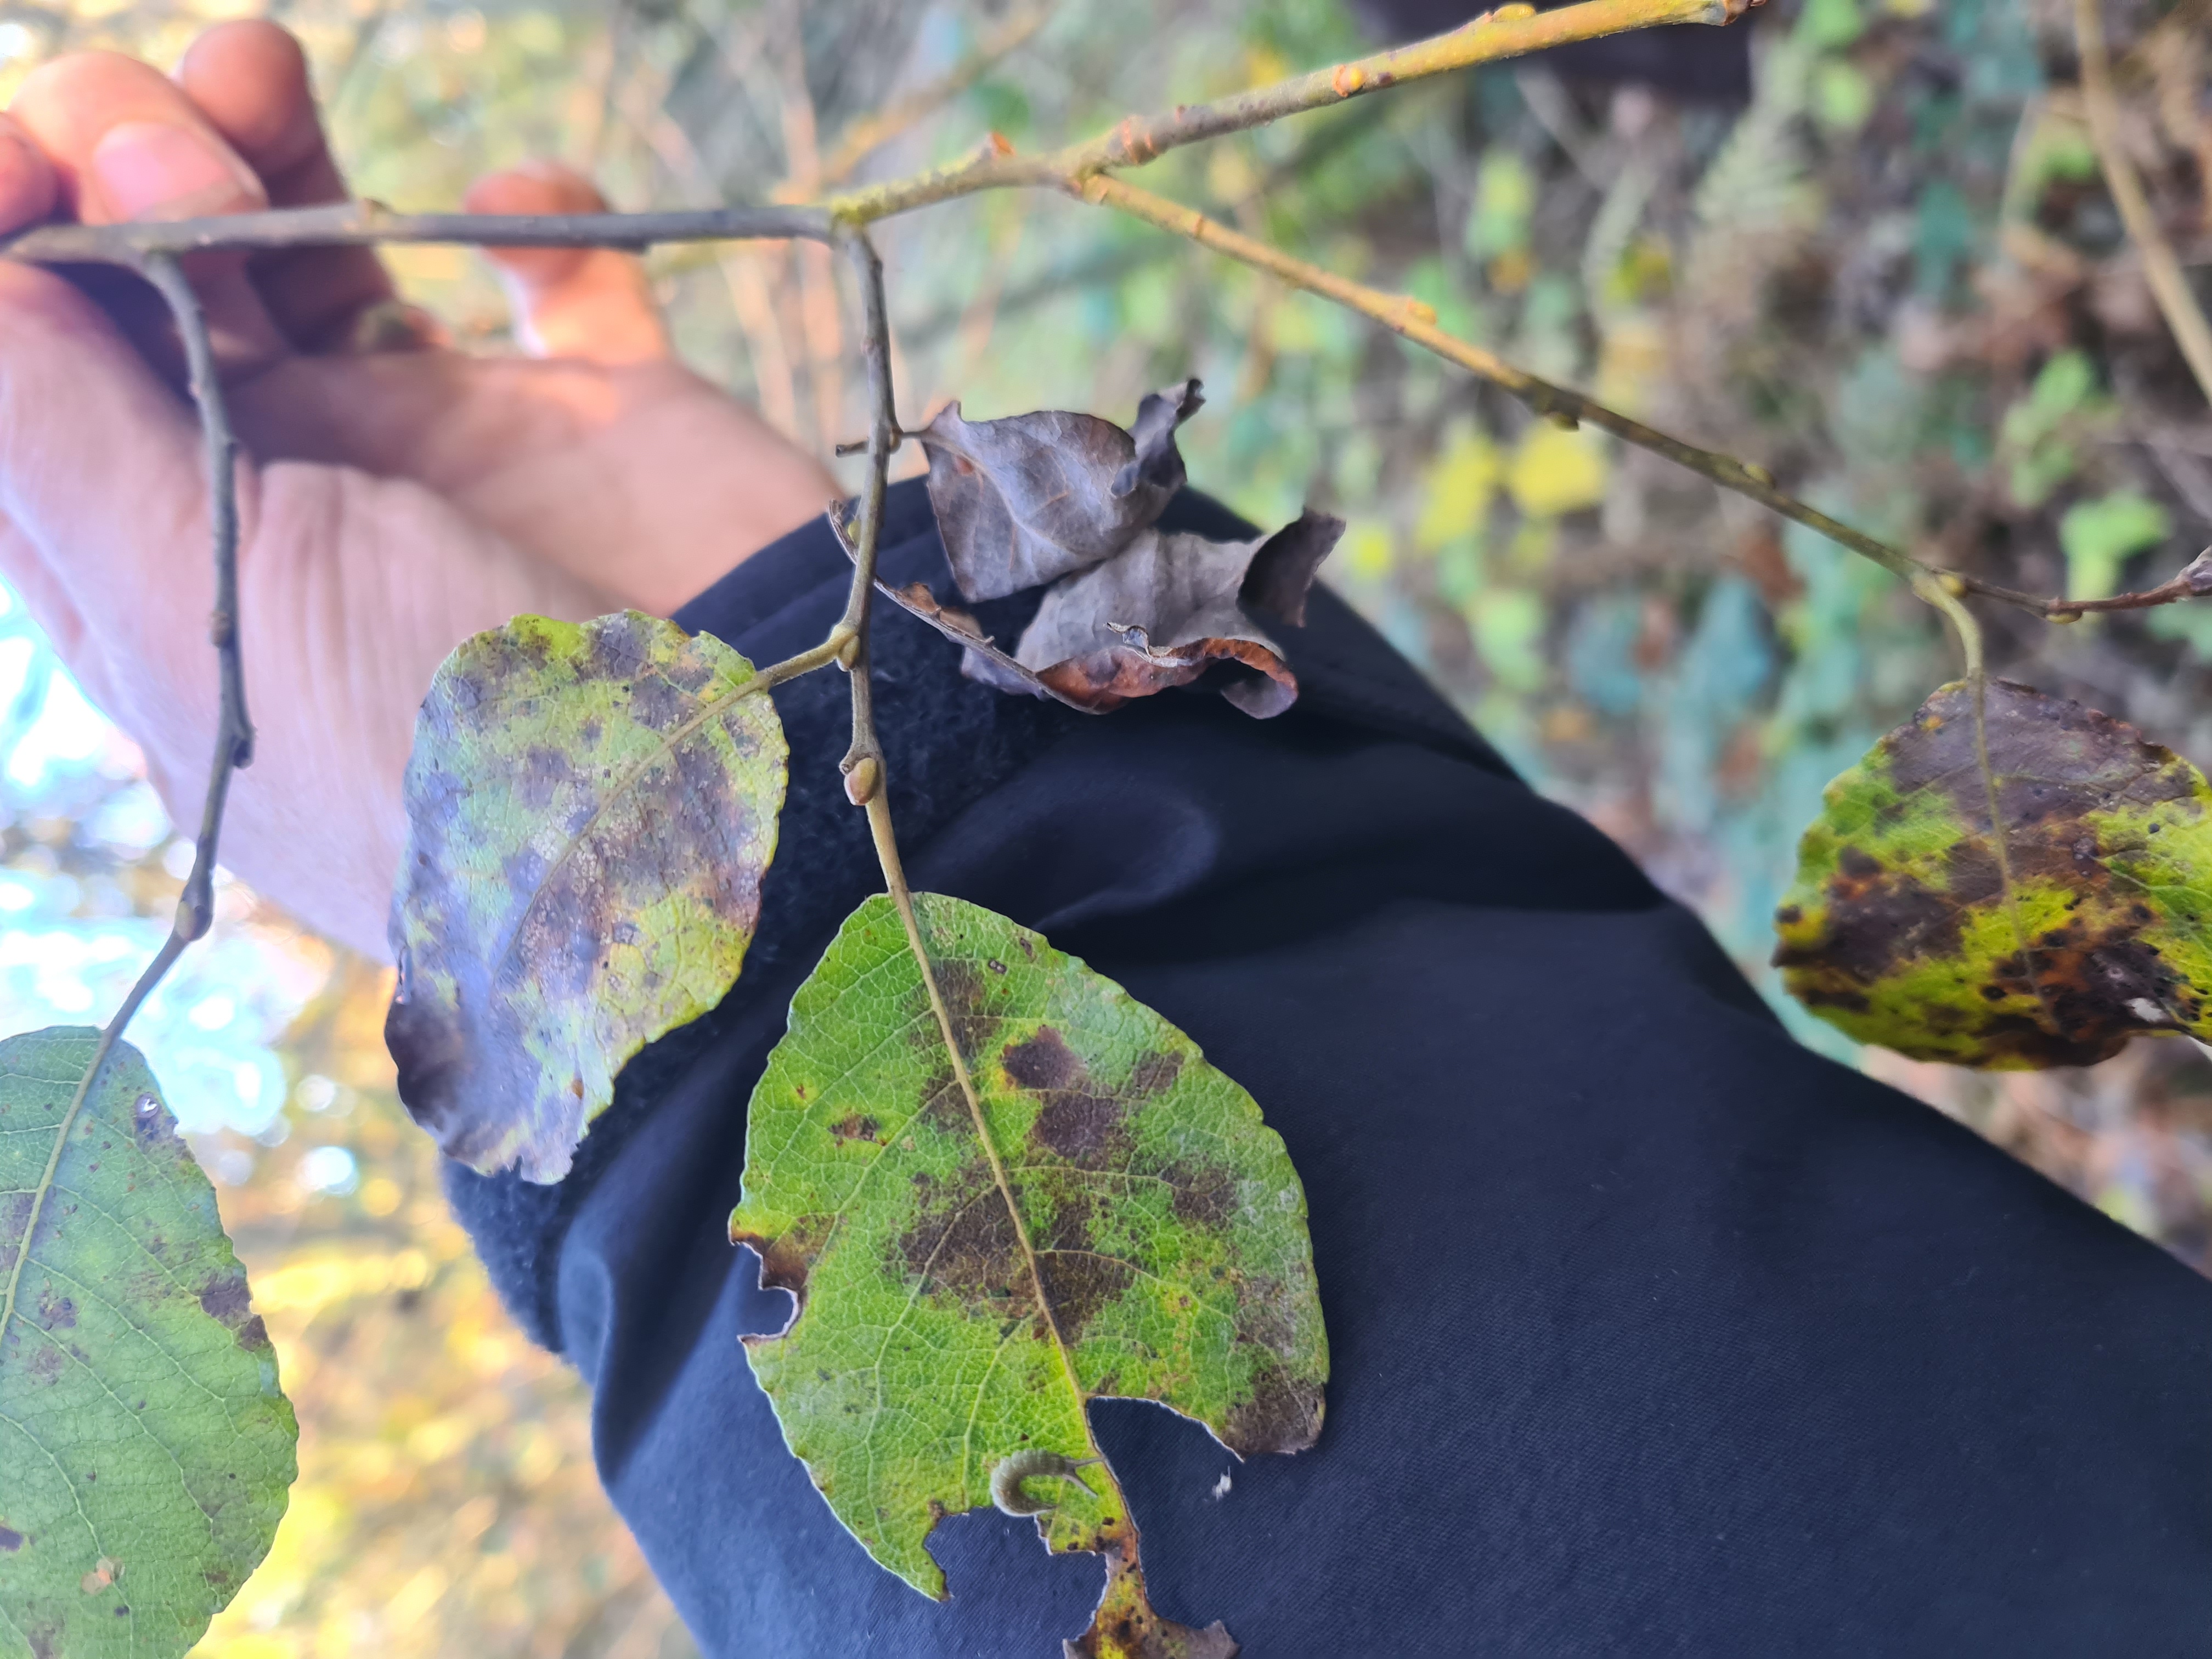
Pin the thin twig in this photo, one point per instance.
(1082, 169)
(1940, 594)
(1415, 321)
(2160, 268)
(1511, 31)
(866, 779)
(367, 224)
(234, 742)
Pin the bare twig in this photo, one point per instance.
(1083, 170)
(1940, 594)
(1417, 322)
(366, 224)
(1511, 31)
(234, 742)
(866, 782)
(2160, 268)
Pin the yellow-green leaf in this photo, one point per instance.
(145, 1449)
(591, 809)
(1131, 1228)
(1555, 471)
(1899, 930)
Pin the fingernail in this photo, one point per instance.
(148, 170)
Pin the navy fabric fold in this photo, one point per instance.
(1652, 1332)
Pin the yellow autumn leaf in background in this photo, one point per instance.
(1460, 483)
(1555, 471)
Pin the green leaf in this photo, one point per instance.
(145, 1449)
(1900, 931)
(591, 809)
(1147, 1239)
(2102, 536)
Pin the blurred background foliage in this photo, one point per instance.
(1892, 276)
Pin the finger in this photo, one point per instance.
(588, 303)
(28, 188)
(250, 80)
(125, 144)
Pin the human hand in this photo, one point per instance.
(393, 502)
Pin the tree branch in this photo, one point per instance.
(1083, 170)
(366, 224)
(1511, 31)
(234, 742)
(2160, 268)
(1416, 322)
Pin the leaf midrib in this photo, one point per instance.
(39, 1194)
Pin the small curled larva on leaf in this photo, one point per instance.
(1006, 1489)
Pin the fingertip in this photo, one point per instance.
(249, 77)
(533, 187)
(29, 190)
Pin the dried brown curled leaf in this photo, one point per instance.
(1161, 612)
(1032, 497)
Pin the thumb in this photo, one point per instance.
(588, 303)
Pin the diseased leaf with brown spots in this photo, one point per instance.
(1031, 497)
(146, 1452)
(1131, 1228)
(1898, 930)
(1169, 607)
(591, 809)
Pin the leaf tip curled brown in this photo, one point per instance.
(591, 809)
(1901, 929)
(1171, 606)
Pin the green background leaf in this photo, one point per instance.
(1168, 1224)
(145, 1449)
(591, 809)
(1897, 929)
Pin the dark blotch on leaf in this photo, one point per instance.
(1076, 1122)
(962, 1242)
(1155, 1074)
(1882, 930)
(786, 1261)
(1045, 1061)
(228, 1300)
(1282, 1415)
(1877, 922)
(1077, 1283)
(1205, 1195)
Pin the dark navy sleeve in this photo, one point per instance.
(1652, 1332)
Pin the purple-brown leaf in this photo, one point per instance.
(1169, 607)
(1025, 500)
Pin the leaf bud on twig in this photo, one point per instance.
(862, 779)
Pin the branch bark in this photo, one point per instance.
(234, 742)
(2169, 285)
(1511, 31)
